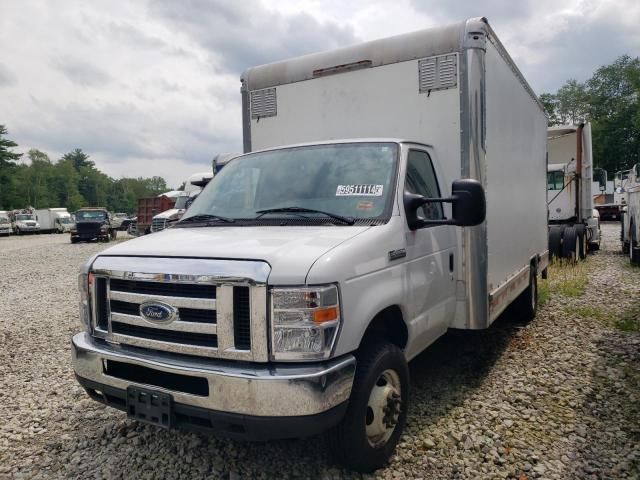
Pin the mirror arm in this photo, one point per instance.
(439, 200)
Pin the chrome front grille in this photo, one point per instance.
(218, 315)
(158, 224)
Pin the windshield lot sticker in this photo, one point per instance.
(359, 190)
(364, 205)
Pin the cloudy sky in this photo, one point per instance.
(151, 87)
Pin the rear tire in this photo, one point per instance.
(526, 305)
(555, 241)
(582, 238)
(570, 245)
(366, 437)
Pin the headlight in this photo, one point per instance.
(304, 322)
(103, 228)
(85, 280)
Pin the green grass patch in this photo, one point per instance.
(544, 293)
(567, 278)
(588, 311)
(629, 321)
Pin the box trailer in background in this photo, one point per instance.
(53, 220)
(333, 262)
(574, 225)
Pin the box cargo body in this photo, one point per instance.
(454, 88)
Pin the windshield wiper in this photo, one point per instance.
(203, 217)
(340, 218)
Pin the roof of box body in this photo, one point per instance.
(400, 48)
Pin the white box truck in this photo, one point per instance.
(574, 224)
(291, 296)
(53, 220)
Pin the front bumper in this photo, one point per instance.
(303, 399)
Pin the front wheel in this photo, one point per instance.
(377, 412)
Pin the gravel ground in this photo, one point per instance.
(557, 398)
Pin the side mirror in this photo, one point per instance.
(467, 199)
(469, 203)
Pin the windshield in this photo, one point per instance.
(4, 220)
(90, 215)
(353, 180)
(555, 180)
(24, 217)
(181, 202)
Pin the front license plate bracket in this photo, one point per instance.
(150, 406)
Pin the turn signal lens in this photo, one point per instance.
(325, 315)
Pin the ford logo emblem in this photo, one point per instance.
(158, 312)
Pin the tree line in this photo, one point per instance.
(72, 181)
(610, 100)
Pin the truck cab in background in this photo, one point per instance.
(629, 189)
(5, 223)
(193, 186)
(574, 224)
(24, 221)
(93, 223)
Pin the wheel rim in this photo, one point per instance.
(383, 408)
(576, 252)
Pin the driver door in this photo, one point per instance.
(430, 255)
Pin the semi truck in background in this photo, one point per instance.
(163, 219)
(630, 234)
(193, 186)
(369, 166)
(53, 220)
(5, 223)
(574, 225)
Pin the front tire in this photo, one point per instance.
(377, 412)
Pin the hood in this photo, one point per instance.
(169, 213)
(290, 251)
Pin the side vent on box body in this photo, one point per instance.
(264, 103)
(438, 73)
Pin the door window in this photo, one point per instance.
(421, 179)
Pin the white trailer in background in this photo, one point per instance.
(574, 225)
(53, 220)
(630, 191)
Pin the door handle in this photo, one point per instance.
(451, 262)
